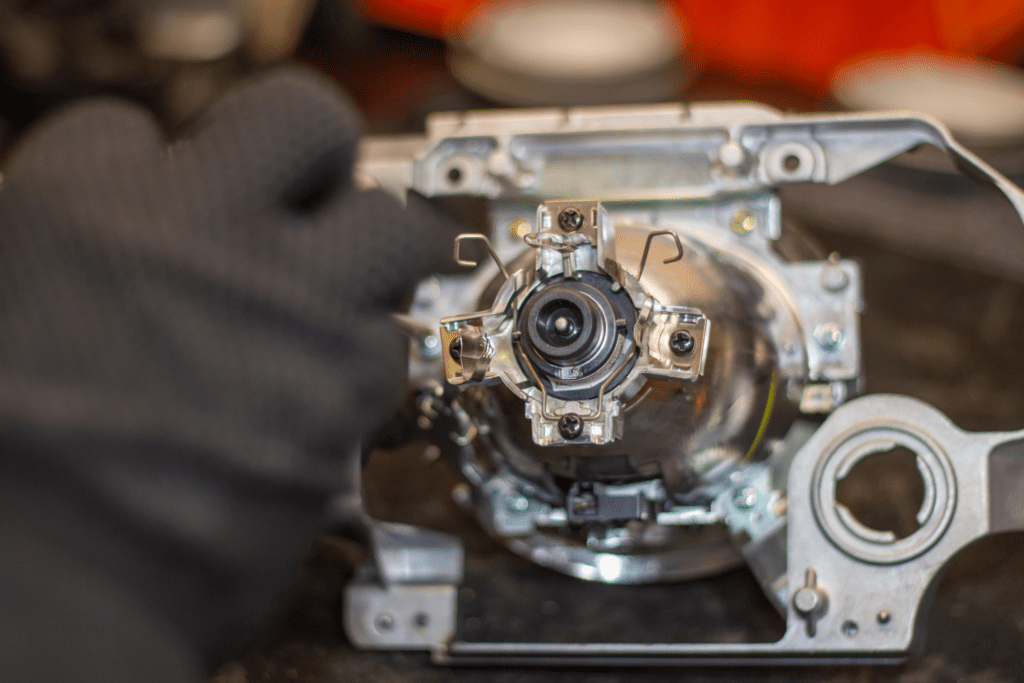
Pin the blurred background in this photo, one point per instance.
(943, 259)
(401, 59)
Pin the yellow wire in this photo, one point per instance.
(764, 419)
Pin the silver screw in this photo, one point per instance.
(430, 347)
(732, 154)
(520, 228)
(745, 498)
(828, 335)
(743, 223)
(517, 504)
(809, 601)
(850, 628)
(884, 617)
(833, 277)
(806, 600)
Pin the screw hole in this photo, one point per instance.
(421, 620)
(791, 163)
(454, 175)
(850, 628)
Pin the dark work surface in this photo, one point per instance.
(946, 335)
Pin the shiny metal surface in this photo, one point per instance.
(687, 431)
(693, 437)
(683, 431)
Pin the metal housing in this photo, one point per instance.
(705, 176)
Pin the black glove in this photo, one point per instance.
(192, 338)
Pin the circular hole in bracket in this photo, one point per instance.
(788, 161)
(458, 174)
(859, 537)
(885, 492)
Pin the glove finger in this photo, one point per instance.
(275, 140)
(371, 248)
(88, 139)
(369, 381)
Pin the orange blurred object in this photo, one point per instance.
(434, 18)
(791, 41)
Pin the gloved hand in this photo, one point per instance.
(192, 338)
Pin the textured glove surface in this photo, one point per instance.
(192, 337)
